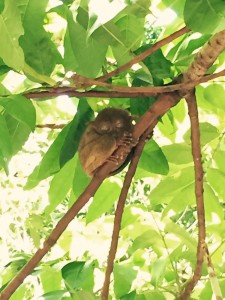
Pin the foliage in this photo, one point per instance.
(42, 43)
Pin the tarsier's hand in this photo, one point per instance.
(111, 128)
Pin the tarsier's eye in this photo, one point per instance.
(105, 127)
(119, 124)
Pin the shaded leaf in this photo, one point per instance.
(153, 160)
(76, 128)
(79, 274)
(40, 52)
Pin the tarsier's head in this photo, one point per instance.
(113, 121)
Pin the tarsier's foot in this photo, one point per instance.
(128, 140)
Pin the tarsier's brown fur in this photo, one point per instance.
(111, 128)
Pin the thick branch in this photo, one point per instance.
(206, 57)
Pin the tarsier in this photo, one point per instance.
(111, 128)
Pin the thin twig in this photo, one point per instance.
(121, 91)
(119, 213)
(196, 153)
(51, 126)
(145, 54)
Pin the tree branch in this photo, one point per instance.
(51, 126)
(204, 59)
(119, 212)
(196, 153)
(121, 91)
(143, 55)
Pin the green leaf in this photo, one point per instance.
(79, 275)
(209, 96)
(50, 162)
(138, 106)
(19, 293)
(97, 18)
(80, 180)
(133, 296)
(149, 238)
(131, 29)
(216, 179)
(158, 269)
(82, 50)
(35, 76)
(11, 29)
(18, 131)
(171, 185)
(208, 132)
(103, 200)
(181, 234)
(178, 153)
(158, 65)
(57, 191)
(212, 204)
(40, 52)
(63, 148)
(54, 295)
(124, 275)
(219, 158)
(21, 109)
(198, 13)
(5, 144)
(177, 6)
(154, 295)
(183, 198)
(77, 127)
(51, 281)
(182, 53)
(153, 160)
